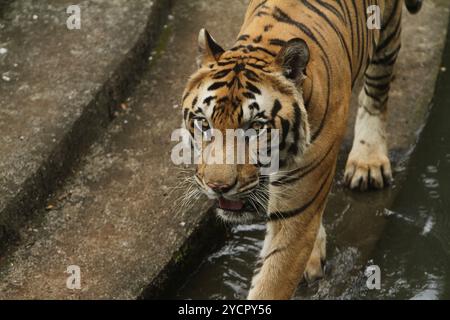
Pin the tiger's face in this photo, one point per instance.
(253, 91)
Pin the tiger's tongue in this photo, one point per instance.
(230, 205)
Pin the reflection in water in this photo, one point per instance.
(225, 274)
(413, 252)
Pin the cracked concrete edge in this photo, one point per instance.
(86, 129)
(206, 236)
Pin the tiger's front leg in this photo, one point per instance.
(368, 164)
(295, 239)
(287, 249)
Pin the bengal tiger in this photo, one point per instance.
(293, 68)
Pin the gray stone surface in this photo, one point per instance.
(116, 216)
(59, 88)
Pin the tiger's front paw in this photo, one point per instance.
(315, 267)
(367, 169)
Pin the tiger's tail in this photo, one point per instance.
(414, 6)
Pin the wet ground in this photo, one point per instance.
(410, 239)
(414, 252)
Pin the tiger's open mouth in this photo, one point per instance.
(236, 211)
(231, 205)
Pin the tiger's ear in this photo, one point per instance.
(293, 59)
(208, 48)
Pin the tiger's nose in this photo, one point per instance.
(220, 187)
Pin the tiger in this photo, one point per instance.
(293, 68)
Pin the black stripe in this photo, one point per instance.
(293, 149)
(258, 39)
(268, 27)
(285, 126)
(235, 80)
(377, 99)
(221, 74)
(208, 100)
(334, 27)
(389, 38)
(388, 59)
(252, 88)
(243, 37)
(238, 68)
(391, 16)
(252, 48)
(332, 9)
(262, 13)
(281, 16)
(383, 87)
(359, 41)
(260, 5)
(276, 108)
(295, 212)
(309, 168)
(249, 95)
(378, 78)
(222, 100)
(343, 11)
(366, 38)
(225, 63)
(322, 122)
(217, 85)
(254, 106)
(352, 36)
(277, 42)
(251, 75)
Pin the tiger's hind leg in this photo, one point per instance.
(368, 165)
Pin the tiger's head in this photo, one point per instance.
(246, 87)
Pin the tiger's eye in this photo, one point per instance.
(205, 125)
(258, 125)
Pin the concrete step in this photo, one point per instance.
(59, 89)
(117, 218)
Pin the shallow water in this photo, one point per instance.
(414, 252)
(409, 241)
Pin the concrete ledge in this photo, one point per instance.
(60, 88)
